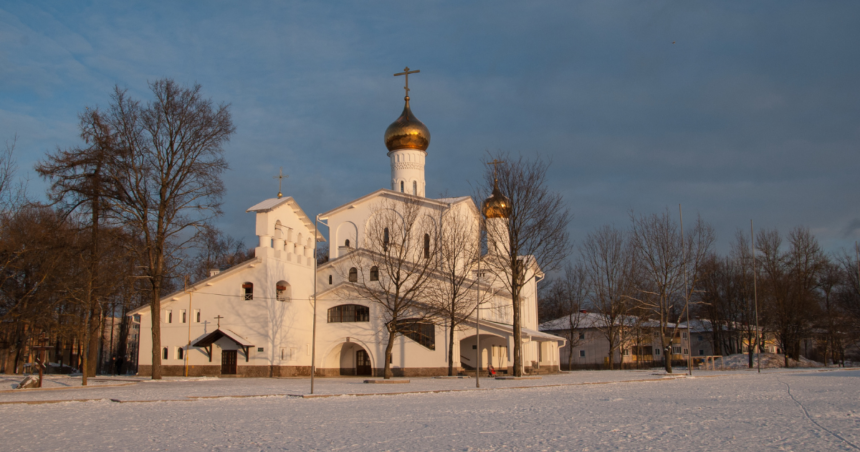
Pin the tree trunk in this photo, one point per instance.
(388, 348)
(155, 312)
(451, 346)
(518, 333)
(667, 358)
(93, 345)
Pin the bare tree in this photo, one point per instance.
(216, 251)
(607, 260)
(532, 239)
(789, 283)
(567, 297)
(166, 176)
(453, 290)
(394, 267)
(664, 256)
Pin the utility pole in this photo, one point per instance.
(188, 316)
(686, 300)
(755, 297)
(314, 328)
(478, 317)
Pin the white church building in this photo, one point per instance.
(256, 319)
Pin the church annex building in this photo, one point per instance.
(256, 318)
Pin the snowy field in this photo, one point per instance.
(805, 409)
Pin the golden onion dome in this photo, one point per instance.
(497, 205)
(407, 132)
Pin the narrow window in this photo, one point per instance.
(385, 239)
(249, 290)
(415, 188)
(329, 279)
(182, 312)
(353, 275)
(426, 246)
(374, 273)
(169, 316)
(164, 353)
(180, 353)
(282, 291)
(582, 335)
(197, 315)
(582, 353)
(346, 243)
(401, 187)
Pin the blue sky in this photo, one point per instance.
(737, 110)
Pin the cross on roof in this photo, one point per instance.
(496, 163)
(218, 318)
(280, 177)
(406, 72)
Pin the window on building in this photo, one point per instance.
(164, 353)
(353, 274)
(676, 350)
(657, 351)
(626, 352)
(423, 333)
(249, 290)
(415, 188)
(701, 352)
(329, 279)
(699, 338)
(582, 353)
(260, 349)
(197, 315)
(426, 246)
(283, 291)
(582, 335)
(374, 273)
(684, 335)
(385, 239)
(346, 243)
(180, 353)
(182, 316)
(348, 313)
(401, 187)
(686, 352)
(169, 316)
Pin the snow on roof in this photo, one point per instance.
(269, 204)
(453, 200)
(595, 320)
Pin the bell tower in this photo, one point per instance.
(407, 140)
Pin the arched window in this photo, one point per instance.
(164, 353)
(401, 187)
(180, 353)
(249, 290)
(374, 273)
(415, 188)
(385, 239)
(283, 291)
(329, 279)
(197, 313)
(347, 313)
(353, 275)
(426, 246)
(346, 243)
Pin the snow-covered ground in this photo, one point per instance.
(807, 409)
(768, 361)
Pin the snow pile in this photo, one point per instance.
(768, 361)
(28, 382)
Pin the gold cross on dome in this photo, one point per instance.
(496, 163)
(280, 177)
(406, 72)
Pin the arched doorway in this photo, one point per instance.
(347, 359)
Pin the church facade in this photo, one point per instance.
(257, 318)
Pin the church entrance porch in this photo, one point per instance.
(228, 362)
(494, 352)
(347, 359)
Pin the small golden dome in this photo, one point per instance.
(407, 132)
(497, 205)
